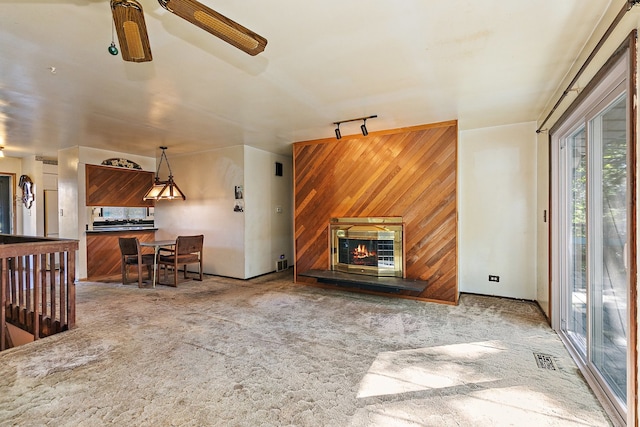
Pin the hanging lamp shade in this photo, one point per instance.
(164, 190)
(155, 190)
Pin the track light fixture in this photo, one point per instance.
(363, 127)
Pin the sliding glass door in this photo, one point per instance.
(591, 278)
(607, 205)
(575, 323)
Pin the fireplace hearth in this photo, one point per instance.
(369, 246)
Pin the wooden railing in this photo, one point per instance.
(38, 285)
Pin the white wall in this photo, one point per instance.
(258, 212)
(236, 244)
(208, 180)
(268, 211)
(68, 196)
(497, 209)
(542, 224)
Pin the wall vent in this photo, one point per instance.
(47, 160)
(281, 265)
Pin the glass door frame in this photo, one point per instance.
(620, 69)
(13, 198)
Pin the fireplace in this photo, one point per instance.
(371, 246)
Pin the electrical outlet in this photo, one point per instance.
(494, 278)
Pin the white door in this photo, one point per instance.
(51, 213)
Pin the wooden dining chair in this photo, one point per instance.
(131, 255)
(188, 250)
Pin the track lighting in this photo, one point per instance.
(363, 127)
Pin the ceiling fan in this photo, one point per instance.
(134, 40)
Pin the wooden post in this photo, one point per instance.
(71, 281)
(36, 297)
(3, 305)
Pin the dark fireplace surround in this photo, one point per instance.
(369, 246)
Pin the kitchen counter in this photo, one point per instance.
(113, 229)
(103, 250)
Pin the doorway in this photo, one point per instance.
(51, 213)
(592, 240)
(6, 205)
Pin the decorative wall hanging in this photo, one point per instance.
(238, 192)
(121, 163)
(28, 189)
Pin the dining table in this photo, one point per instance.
(156, 245)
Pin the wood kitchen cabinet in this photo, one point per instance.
(110, 186)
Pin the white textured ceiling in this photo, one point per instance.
(411, 62)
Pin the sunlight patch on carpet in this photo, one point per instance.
(405, 371)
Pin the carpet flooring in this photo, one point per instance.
(267, 352)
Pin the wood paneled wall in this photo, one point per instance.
(103, 251)
(110, 186)
(408, 172)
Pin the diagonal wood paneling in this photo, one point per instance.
(110, 186)
(103, 251)
(408, 172)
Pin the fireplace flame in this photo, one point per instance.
(362, 252)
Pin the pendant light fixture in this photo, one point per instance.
(164, 190)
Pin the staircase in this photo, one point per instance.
(37, 294)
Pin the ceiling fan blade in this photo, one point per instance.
(131, 29)
(216, 24)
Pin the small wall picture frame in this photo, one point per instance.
(239, 192)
